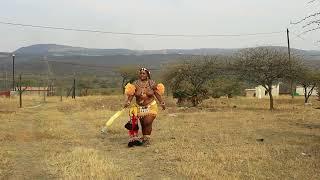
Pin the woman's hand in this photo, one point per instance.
(163, 105)
(127, 104)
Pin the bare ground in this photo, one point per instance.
(223, 139)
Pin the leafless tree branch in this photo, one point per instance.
(306, 18)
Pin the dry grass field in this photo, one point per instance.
(235, 138)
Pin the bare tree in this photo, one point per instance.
(189, 80)
(309, 80)
(310, 22)
(263, 66)
(128, 74)
(296, 67)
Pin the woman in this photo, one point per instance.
(145, 91)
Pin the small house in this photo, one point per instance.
(261, 92)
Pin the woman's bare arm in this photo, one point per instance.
(129, 99)
(162, 103)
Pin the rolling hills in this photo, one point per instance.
(61, 60)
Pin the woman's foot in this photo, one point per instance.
(146, 140)
(138, 143)
(131, 144)
(135, 141)
(146, 143)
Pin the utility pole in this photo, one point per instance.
(3, 79)
(288, 38)
(20, 90)
(289, 53)
(13, 83)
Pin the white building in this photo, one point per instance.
(261, 92)
(300, 91)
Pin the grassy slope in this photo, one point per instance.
(217, 140)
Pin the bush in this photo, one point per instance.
(191, 81)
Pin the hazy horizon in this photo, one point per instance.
(150, 49)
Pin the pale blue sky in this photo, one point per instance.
(154, 16)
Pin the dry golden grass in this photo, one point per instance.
(222, 139)
(82, 163)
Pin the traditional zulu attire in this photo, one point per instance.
(136, 111)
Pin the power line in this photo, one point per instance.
(138, 34)
(305, 18)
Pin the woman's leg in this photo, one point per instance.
(146, 124)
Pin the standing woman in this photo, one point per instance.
(145, 91)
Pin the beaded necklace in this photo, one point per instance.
(143, 87)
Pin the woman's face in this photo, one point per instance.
(143, 75)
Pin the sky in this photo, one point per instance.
(156, 16)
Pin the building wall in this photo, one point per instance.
(262, 93)
(250, 93)
(300, 91)
(4, 93)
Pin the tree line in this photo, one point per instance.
(196, 78)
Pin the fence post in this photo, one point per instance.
(74, 89)
(44, 95)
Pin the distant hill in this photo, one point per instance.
(41, 62)
(68, 60)
(62, 50)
